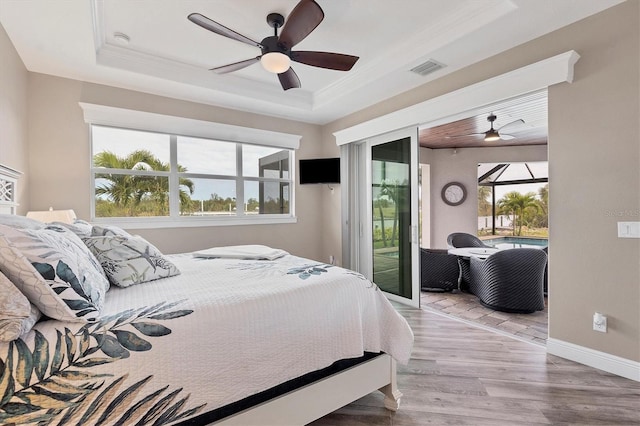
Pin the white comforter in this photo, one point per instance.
(237, 327)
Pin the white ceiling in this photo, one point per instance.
(169, 55)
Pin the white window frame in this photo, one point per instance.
(180, 126)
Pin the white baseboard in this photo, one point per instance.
(603, 361)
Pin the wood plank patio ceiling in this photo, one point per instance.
(531, 108)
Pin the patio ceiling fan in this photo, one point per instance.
(493, 134)
(276, 54)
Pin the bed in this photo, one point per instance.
(232, 339)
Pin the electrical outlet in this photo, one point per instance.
(628, 229)
(599, 322)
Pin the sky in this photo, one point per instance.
(523, 189)
(518, 171)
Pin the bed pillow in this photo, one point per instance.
(17, 315)
(108, 230)
(48, 268)
(20, 222)
(90, 268)
(130, 260)
(79, 227)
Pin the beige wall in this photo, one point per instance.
(463, 167)
(594, 157)
(13, 116)
(59, 162)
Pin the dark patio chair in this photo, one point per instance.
(461, 239)
(510, 280)
(546, 271)
(439, 270)
(465, 273)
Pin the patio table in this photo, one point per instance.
(464, 254)
(479, 252)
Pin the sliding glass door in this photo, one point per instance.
(388, 208)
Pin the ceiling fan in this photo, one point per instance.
(492, 134)
(276, 50)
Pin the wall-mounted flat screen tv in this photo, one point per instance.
(320, 170)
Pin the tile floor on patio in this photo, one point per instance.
(465, 306)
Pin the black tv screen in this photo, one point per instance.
(320, 170)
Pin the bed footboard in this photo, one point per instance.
(317, 399)
(391, 392)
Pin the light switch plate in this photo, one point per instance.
(628, 229)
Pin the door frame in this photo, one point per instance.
(359, 217)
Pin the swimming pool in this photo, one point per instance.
(517, 242)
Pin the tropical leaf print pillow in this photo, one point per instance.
(108, 230)
(130, 260)
(17, 315)
(46, 267)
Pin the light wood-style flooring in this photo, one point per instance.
(460, 374)
(466, 306)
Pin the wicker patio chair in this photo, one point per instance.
(464, 264)
(546, 271)
(510, 280)
(439, 270)
(461, 239)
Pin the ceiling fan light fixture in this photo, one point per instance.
(491, 136)
(275, 62)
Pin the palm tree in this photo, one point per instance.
(396, 192)
(543, 205)
(128, 191)
(516, 203)
(484, 206)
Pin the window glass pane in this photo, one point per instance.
(210, 197)
(206, 156)
(129, 149)
(266, 197)
(131, 196)
(260, 161)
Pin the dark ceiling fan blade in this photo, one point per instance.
(289, 79)
(303, 19)
(519, 121)
(235, 66)
(217, 28)
(332, 61)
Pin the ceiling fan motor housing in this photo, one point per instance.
(271, 44)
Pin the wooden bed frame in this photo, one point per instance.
(324, 396)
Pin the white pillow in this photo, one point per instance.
(130, 260)
(53, 272)
(20, 222)
(79, 227)
(17, 315)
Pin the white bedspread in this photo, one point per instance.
(225, 329)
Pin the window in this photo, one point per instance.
(150, 177)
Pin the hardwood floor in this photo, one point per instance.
(463, 375)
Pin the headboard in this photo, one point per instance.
(8, 182)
